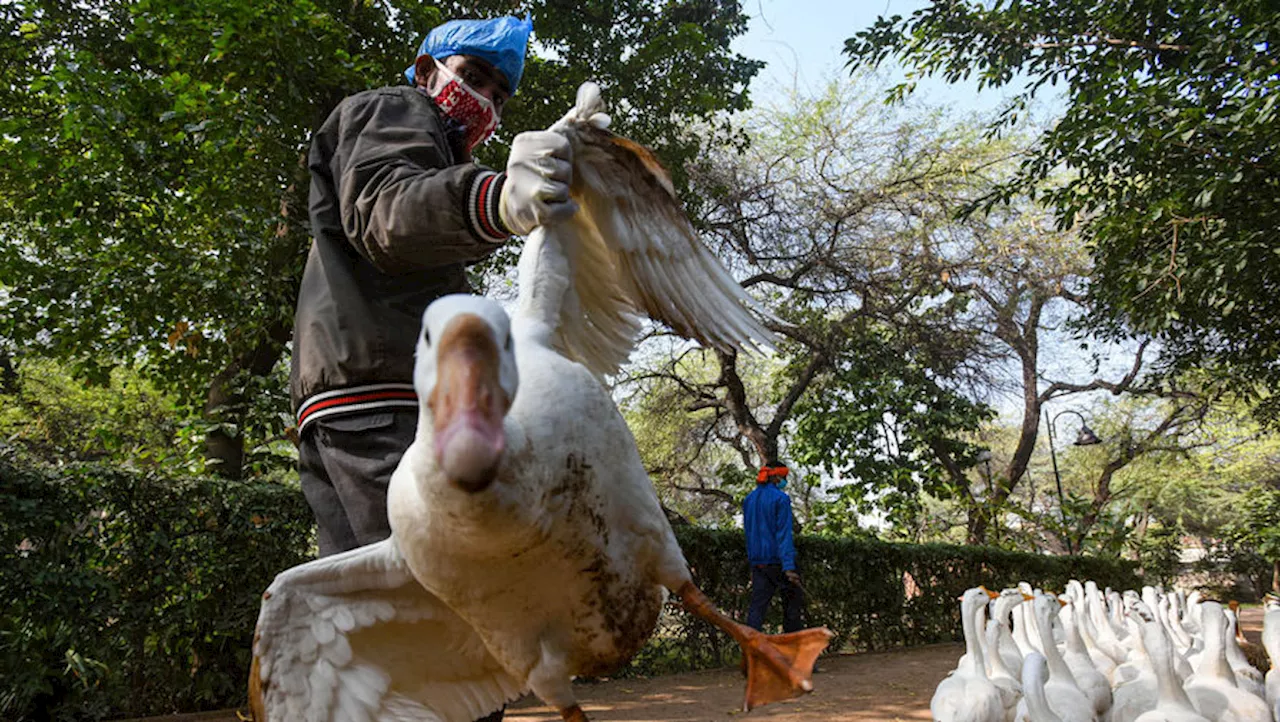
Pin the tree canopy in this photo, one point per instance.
(152, 176)
(1166, 153)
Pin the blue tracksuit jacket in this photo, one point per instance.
(766, 517)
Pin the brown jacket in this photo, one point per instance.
(395, 216)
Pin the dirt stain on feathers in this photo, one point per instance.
(620, 607)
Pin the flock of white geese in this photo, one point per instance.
(1094, 655)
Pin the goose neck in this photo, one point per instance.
(1057, 665)
(972, 647)
(1037, 701)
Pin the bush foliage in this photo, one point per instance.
(130, 594)
(873, 595)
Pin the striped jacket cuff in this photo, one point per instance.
(482, 214)
(371, 397)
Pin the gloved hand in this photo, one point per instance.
(536, 191)
(792, 576)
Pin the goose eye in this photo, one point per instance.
(509, 342)
(426, 335)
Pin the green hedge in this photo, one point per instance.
(859, 589)
(126, 594)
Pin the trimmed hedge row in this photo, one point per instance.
(873, 595)
(127, 594)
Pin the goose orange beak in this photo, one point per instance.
(468, 404)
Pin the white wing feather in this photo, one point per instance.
(632, 251)
(355, 638)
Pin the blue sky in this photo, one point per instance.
(801, 40)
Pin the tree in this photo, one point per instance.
(899, 320)
(1170, 140)
(1258, 529)
(1167, 468)
(1024, 280)
(830, 217)
(153, 183)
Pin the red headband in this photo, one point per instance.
(768, 472)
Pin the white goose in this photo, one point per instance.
(1100, 628)
(1172, 703)
(1212, 688)
(1001, 676)
(1115, 616)
(1005, 604)
(1192, 619)
(1035, 673)
(528, 544)
(967, 695)
(1182, 654)
(1022, 632)
(1248, 677)
(1061, 691)
(1139, 690)
(1271, 642)
(1091, 681)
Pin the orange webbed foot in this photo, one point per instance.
(779, 666)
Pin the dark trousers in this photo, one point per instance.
(345, 466)
(766, 579)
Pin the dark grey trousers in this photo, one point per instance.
(345, 465)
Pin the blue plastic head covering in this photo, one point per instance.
(500, 41)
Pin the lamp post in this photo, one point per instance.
(1086, 437)
(985, 457)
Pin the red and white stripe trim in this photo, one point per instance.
(354, 399)
(482, 207)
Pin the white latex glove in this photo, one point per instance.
(536, 192)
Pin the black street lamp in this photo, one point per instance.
(1085, 437)
(984, 456)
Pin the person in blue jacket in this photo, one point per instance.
(766, 518)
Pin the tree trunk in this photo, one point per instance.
(1025, 342)
(735, 400)
(223, 451)
(979, 524)
(1275, 576)
(8, 375)
(225, 404)
(1101, 497)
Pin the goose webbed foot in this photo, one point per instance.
(779, 666)
(573, 714)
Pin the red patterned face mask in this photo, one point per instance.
(473, 112)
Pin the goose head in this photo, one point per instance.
(1005, 602)
(975, 598)
(465, 370)
(1045, 607)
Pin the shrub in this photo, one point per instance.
(873, 595)
(130, 594)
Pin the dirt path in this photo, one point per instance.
(884, 687)
(878, 687)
